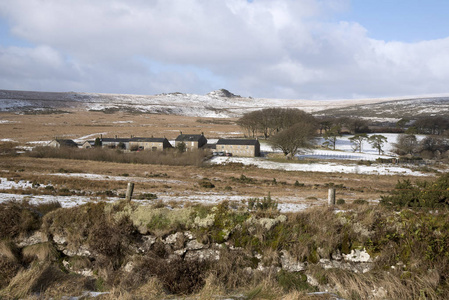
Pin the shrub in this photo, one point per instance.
(298, 184)
(244, 179)
(421, 194)
(147, 196)
(360, 202)
(266, 203)
(205, 183)
(341, 201)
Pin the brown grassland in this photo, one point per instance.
(312, 188)
(409, 247)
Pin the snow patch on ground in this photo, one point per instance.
(325, 167)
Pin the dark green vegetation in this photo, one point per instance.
(423, 194)
(142, 252)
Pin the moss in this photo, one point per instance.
(294, 281)
(313, 257)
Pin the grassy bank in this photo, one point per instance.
(142, 252)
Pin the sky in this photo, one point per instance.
(289, 49)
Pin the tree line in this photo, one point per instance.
(291, 129)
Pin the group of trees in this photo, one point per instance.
(291, 130)
(435, 125)
(287, 129)
(429, 147)
(270, 121)
(343, 124)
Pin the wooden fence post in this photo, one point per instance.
(129, 191)
(331, 197)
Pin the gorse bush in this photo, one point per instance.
(420, 194)
(266, 203)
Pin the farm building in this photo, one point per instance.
(192, 141)
(87, 144)
(122, 143)
(239, 147)
(58, 143)
(153, 144)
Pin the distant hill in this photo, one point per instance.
(405, 108)
(219, 104)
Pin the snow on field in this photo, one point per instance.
(326, 167)
(115, 178)
(288, 204)
(343, 149)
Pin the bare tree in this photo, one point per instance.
(294, 138)
(406, 144)
(271, 121)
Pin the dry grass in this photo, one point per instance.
(36, 279)
(41, 252)
(384, 285)
(77, 124)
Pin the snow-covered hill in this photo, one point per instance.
(219, 104)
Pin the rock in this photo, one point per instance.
(36, 238)
(59, 239)
(336, 255)
(180, 252)
(176, 240)
(80, 251)
(129, 267)
(290, 264)
(350, 266)
(357, 256)
(195, 245)
(203, 255)
(188, 235)
(147, 242)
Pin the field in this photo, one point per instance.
(295, 185)
(230, 227)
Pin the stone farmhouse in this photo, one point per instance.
(58, 143)
(234, 147)
(239, 147)
(153, 144)
(192, 141)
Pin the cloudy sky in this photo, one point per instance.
(299, 49)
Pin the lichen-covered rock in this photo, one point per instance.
(358, 256)
(176, 240)
(82, 250)
(59, 239)
(290, 264)
(203, 255)
(195, 245)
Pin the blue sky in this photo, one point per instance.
(399, 20)
(301, 49)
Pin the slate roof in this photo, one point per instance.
(115, 140)
(67, 143)
(148, 140)
(237, 142)
(189, 137)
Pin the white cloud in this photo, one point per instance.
(267, 48)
